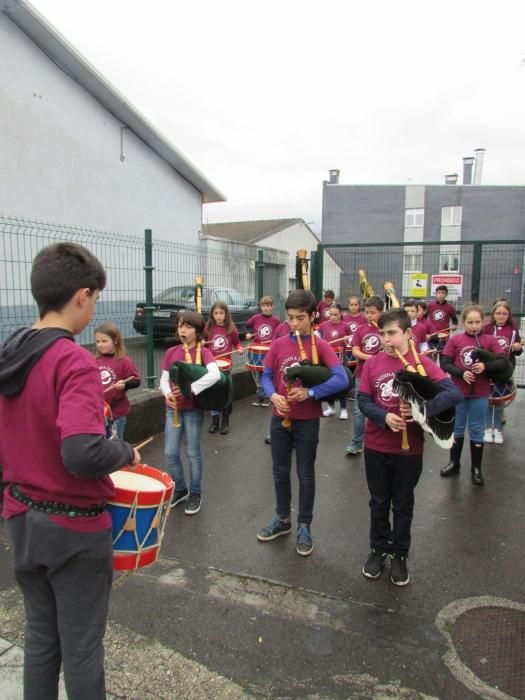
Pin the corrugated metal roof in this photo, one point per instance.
(68, 59)
(248, 231)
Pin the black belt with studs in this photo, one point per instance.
(53, 507)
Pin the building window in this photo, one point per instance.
(451, 216)
(449, 259)
(414, 217)
(412, 262)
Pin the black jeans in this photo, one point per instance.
(391, 481)
(304, 437)
(65, 577)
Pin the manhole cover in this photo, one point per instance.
(491, 642)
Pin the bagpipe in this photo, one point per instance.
(364, 285)
(503, 374)
(311, 373)
(301, 270)
(391, 300)
(183, 374)
(412, 385)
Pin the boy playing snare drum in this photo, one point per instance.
(56, 463)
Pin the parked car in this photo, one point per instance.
(170, 301)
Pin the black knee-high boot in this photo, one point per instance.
(214, 427)
(476, 455)
(225, 421)
(454, 465)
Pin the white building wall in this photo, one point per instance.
(292, 239)
(60, 155)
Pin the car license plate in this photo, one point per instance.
(162, 314)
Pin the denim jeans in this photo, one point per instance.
(191, 426)
(359, 421)
(304, 437)
(120, 424)
(259, 391)
(471, 413)
(391, 481)
(342, 404)
(494, 416)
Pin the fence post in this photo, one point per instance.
(148, 308)
(260, 274)
(313, 271)
(317, 279)
(476, 272)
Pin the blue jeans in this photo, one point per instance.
(304, 437)
(190, 425)
(471, 413)
(359, 421)
(120, 424)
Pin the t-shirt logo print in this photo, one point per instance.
(386, 391)
(334, 334)
(502, 342)
(265, 331)
(219, 342)
(105, 376)
(467, 358)
(439, 315)
(371, 343)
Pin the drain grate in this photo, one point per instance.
(491, 642)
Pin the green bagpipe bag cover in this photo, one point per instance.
(312, 375)
(217, 397)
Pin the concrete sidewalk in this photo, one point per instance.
(223, 613)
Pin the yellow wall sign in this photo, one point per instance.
(418, 284)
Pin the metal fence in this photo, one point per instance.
(490, 270)
(249, 270)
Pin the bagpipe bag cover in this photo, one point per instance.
(217, 397)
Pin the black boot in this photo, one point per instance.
(225, 422)
(476, 455)
(214, 427)
(454, 465)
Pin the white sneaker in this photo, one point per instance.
(329, 412)
(488, 435)
(344, 414)
(498, 437)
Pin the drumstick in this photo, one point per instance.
(225, 354)
(120, 380)
(144, 443)
(442, 332)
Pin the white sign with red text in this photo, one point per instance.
(454, 283)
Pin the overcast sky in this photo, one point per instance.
(264, 98)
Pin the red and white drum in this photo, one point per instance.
(224, 364)
(256, 355)
(138, 512)
(503, 393)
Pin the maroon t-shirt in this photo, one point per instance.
(177, 354)
(419, 332)
(282, 329)
(220, 342)
(62, 397)
(368, 341)
(333, 332)
(263, 327)
(323, 309)
(111, 371)
(506, 336)
(440, 314)
(376, 380)
(358, 320)
(459, 348)
(283, 353)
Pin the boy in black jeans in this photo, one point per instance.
(392, 473)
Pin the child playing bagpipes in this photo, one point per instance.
(301, 409)
(394, 443)
(179, 408)
(222, 338)
(470, 375)
(56, 463)
(334, 332)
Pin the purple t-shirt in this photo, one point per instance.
(376, 380)
(177, 354)
(440, 314)
(367, 339)
(283, 353)
(358, 320)
(506, 336)
(323, 309)
(111, 371)
(263, 327)
(282, 329)
(61, 398)
(419, 332)
(459, 348)
(220, 342)
(333, 332)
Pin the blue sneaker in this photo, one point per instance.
(275, 529)
(353, 450)
(304, 540)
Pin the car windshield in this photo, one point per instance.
(177, 295)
